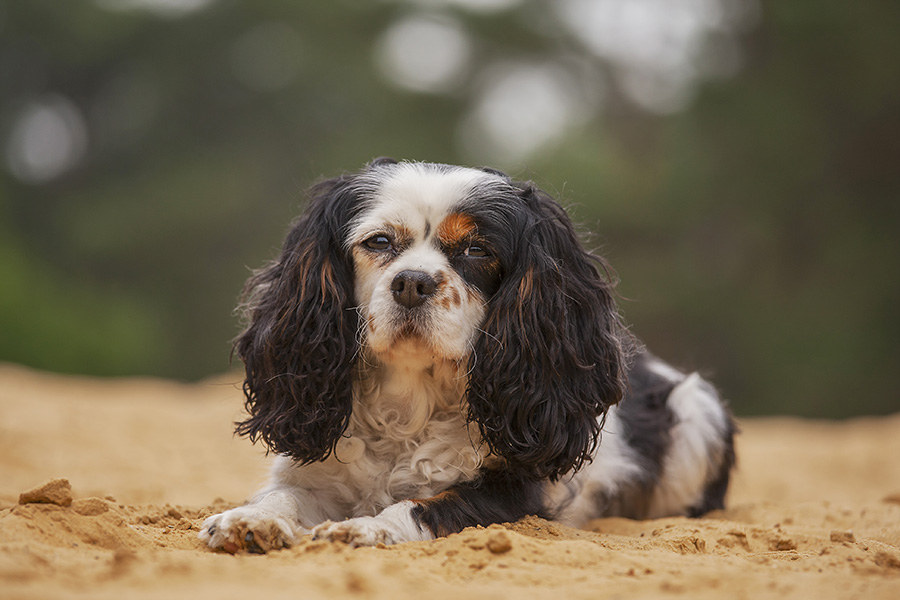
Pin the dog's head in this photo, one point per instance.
(406, 264)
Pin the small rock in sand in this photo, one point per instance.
(842, 536)
(58, 491)
(892, 498)
(499, 542)
(90, 507)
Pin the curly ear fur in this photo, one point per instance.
(561, 360)
(300, 341)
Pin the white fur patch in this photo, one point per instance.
(696, 449)
(393, 525)
(665, 370)
(414, 195)
(411, 424)
(407, 438)
(614, 466)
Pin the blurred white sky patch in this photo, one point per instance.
(268, 57)
(424, 53)
(659, 49)
(48, 137)
(521, 107)
(165, 8)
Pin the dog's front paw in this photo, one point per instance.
(250, 529)
(361, 531)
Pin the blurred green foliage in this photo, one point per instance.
(753, 227)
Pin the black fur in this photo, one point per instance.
(299, 346)
(646, 418)
(495, 497)
(552, 355)
(481, 273)
(381, 161)
(496, 172)
(647, 422)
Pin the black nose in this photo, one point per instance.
(412, 288)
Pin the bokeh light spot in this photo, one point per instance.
(48, 138)
(424, 53)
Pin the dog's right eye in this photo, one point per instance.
(378, 243)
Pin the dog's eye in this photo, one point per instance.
(379, 243)
(476, 251)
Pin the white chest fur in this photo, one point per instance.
(407, 438)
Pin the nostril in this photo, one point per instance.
(426, 288)
(412, 288)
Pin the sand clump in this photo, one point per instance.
(814, 512)
(56, 491)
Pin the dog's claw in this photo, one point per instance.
(251, 545)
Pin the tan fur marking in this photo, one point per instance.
(526, 285)
(455, 228)
(445, 495)
(403, 235)
(327, 281)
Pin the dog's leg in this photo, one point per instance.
(274, 517)
(494, 497)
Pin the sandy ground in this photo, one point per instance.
(814, 513)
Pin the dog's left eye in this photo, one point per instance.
(378, 243)
(476, 251)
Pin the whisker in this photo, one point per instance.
(493, 337)
(472, 362)
(361, 337)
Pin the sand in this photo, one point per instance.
(116, 476)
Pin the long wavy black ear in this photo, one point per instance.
(300, 341)
(552, 356)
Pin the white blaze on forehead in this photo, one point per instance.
(416, 196)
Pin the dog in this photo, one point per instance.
(434, 349)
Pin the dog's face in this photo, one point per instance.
(424, 267)
(409, 263)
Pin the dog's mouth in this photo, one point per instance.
(412, 340)
(406, 326)
(410, 327)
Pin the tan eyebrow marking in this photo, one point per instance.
(455, 228)
(403, 235)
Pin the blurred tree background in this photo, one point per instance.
(737, 160)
